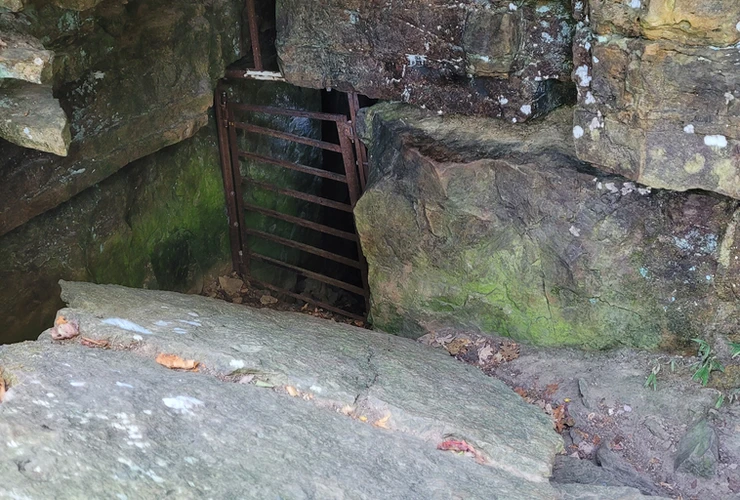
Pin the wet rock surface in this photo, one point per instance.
(492, 58)
(367, 413)
(473, 225)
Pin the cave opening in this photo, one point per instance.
(293, 171)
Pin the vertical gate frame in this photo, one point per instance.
(240, 234)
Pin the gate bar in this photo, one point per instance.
(294, 166)
(233, 193)
(288, 136)
(354, 108)
(306, 248)
(310, 274)
(324, 202)
(301, 222)
(254, 35)
(292, 113)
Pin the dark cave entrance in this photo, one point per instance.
(293, 172)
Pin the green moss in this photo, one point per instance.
(177, 229)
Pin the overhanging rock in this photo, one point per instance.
(474, 223)
(493, 58)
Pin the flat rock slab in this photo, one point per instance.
(91, 422)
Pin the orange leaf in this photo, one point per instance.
(521, 391)
(383, 422)
(291, 390)
(175, 362)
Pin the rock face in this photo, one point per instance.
(134, 427)
(472, 223)
(159, 223)
(494, 58)
(132, 78)
(657, 85)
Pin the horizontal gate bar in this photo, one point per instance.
(294, 166)
(310, 300)
(269, 110)
(301, 222)
(310, 274)
(302, 246)
(289, 137)
(325, 202)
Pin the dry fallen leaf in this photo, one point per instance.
(291, 390)
(457, 346)
(509, 351)
(383, 422)
(175, 362)
(65, 330)
(268, 300)
(462, 447)
(103, 344)
(363, 418)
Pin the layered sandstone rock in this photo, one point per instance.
(493, 58)
(657, 84)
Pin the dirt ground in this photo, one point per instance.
(617, 430)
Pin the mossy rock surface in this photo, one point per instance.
(474, 225)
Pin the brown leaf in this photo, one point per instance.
(509, 351)
(521, 391)
(458, 346)
(102, 344)
(550, 390)
(66, 330)
(175, 362)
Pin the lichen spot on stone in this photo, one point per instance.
(526, 109)
(589, 98)
(577, 131)
(38, 61)
(689, 129)
(513, 7)
(737, 26)
(635, 4)
(716, 141)
(695, 165)
(584, 79)
(27, 132)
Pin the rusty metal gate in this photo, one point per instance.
(235, 183)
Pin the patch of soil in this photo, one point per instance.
(616, 430)
(232, 288)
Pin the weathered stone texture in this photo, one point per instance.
(132, 78)
(657, 89)
(32, 118)
(493, 58)
(471, 223)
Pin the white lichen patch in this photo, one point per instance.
(635, 4)
(416, 60)
(513, 7)
(575, 231)
(729, 97)
(578, 131)
(737, 26)
(589, 98)
(236, 364)
(27, 132)
(182, 404)
(77, 384)
(689, 129)
(38, 61)
(125, 324)
(526, 109)
(716, 141)
(584, 79)
(502, 100)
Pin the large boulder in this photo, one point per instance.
(657, 85)
(320, 410)
(472, 223)
(493, 58)
(132, 78)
